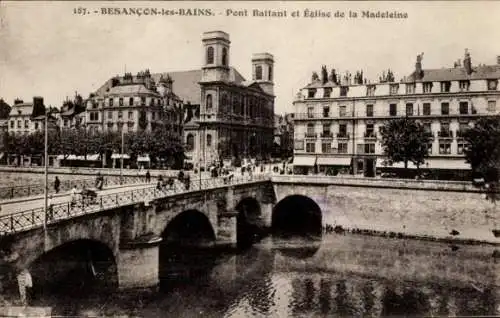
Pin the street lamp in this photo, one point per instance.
(121, 161)
(46, 172)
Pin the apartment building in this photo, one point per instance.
(337, 123)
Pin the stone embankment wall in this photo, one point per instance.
(423, 208)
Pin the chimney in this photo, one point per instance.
(18, 101)
(419, 73)
(467, 63)
(38, 107)
(498, 59)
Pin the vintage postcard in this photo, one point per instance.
(249, 158)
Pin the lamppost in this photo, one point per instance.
(46, 173)
(121, 160)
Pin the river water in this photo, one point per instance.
(341, 275)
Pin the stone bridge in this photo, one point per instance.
(122, 244)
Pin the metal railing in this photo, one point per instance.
(33, 218)
(38, 188)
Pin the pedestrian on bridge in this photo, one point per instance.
(57, 184)
(148, 177)
(73, 195)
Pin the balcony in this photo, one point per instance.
(445, 134)
(311, 135)
(327, 134)
(370, 135)
(343, 136)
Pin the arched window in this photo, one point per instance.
(258, 72)
(224, 56)
(209, 140)
(270, 73)
(209, 101)
(190, 142)
(210, 55)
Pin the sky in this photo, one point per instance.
(47, 50)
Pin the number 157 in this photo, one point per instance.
(80, 11)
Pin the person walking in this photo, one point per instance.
(73, 195)
(57, 184)
(148, 177)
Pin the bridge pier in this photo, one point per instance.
(138, 258)
(227, 229)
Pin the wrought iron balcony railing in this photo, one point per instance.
(311, 135)
(343, 136)
(328, 134)
(445, 134)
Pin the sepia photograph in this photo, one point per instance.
(249, 159)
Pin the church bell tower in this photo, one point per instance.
(216, 56)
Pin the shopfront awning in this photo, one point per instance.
(143, 158)
(334, 161)
(93, 157)
(381, 163)
(450, 164)
(307, 161)
(119, 156)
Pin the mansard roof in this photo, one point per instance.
(458, 73)
(130, 89)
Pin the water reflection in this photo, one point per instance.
(345, 276)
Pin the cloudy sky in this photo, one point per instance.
(47, 50)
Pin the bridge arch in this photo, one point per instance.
(189, 227)
(72, 267)
(248, 221)
(297, 215)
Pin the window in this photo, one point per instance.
(18, 124)
(427, 109)
(344, 90)
(152, 102)
(410, 88)
(94, 104)
(209, 101)
(429, 148)
(270, 73)
(327, 91)
(110, 102)
(143, 101)
(492, 84)
(130, 115)
(409, 109)
(11, 124)
(153, 115)
(464, 108)
(26, 124)
(445, 87)
(369, 110)
(209, 140)
(462, 127)
(343, 111)
(427, 87)
(342, 130)
(370, 90)
(369, 131)
(258, 72)
(224, 56)
(461, 147)
(326, 131)
(311, 92)
(210, 55)
(310, 130)
(190, 142)
(310, 147)
(326, 147)
(492, 106)
(110, 115)
(65, 122)
(310, 112)
(393, 89)
(444, 148)
(393, 110)
(131, 101)
(36, 126)
(326, 111)
(464, 85)
(445, 108)
(120, 114)
(298, 144)
(94, 116)
(427, 128)
(370, 148)
(445, 130)
(120, 101)
(342, 147)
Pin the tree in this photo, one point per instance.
(483, 148)
(405, 140)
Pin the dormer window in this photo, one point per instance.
(344, 90)
(410, 88)
(327, 92)
(370, 90)
(464, 86)
(427, 87)
(210, 55)
(492, 84)
(311, 92)
(445, 87)
(393, 89)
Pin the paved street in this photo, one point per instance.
(29, 203)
